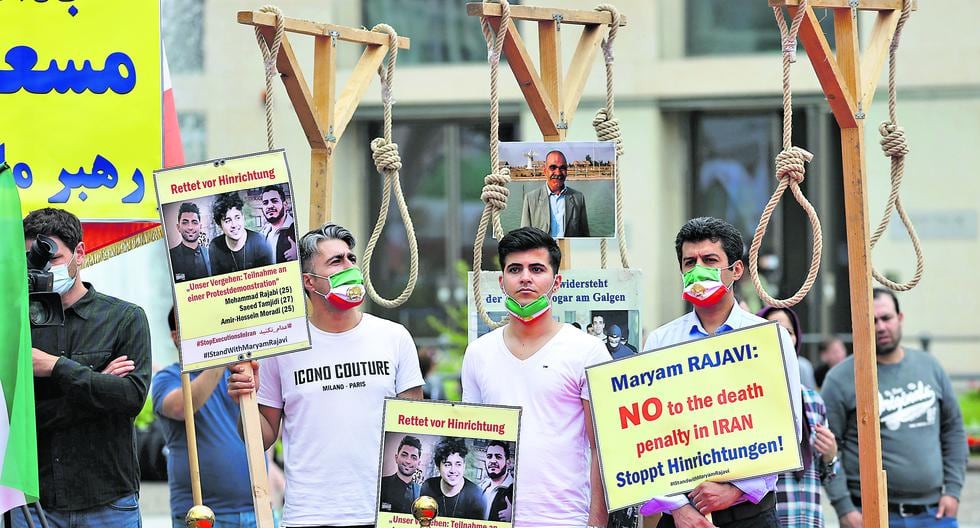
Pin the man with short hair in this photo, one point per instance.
(556, 208)
(616, 343)
(356, 361)
(399, 490)
(599, 327)
(238, 248)
(91, 378)
(709, 253)
(189, 258)
(498, 484)
(538, 363)
(457, 497)
(220, 448)
(280, 231)
(923, 444)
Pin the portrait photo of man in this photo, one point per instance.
(237, 248)
(280, 229)
(189, 257)
(400, 489)
(566, 189)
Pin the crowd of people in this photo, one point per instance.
(93, 380)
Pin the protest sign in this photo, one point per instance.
(431, 446)
(713, 409)
(597, 298)
(82, 97)
(239, 294)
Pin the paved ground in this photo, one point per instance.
(154, 498)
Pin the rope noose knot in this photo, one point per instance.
(607, 129)
(495, 192)
(385, 155)
(893, 141)
(791, 163)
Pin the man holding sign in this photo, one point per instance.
(709, 251)
(539, 364)
(329, 400)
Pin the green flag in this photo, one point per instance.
(18, 431)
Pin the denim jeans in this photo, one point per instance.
(245, 519)
(924, 519)
(123, 512)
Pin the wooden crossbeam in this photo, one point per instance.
(305, 27)
(323, 115)
(862, 5)
(543, 14)
(297, 89)
(581, 65)
(876, 52)
(828, 73)
(539, 102)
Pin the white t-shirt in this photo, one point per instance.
(553, 459)
(332, 400)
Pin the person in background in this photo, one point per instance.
(832, 351)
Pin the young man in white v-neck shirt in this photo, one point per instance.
(329, 400)
(538, 363)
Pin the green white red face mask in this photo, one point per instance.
(703, 286)
(531, 311)
(346, 288)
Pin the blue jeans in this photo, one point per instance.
(245, 519)
(123, 512)
(925, 519)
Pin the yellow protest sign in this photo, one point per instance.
(713, 409)
(237, 296)
(461, 455)
(81, 98)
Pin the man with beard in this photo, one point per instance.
(280, 231)
(399, 490)
(238, 248)
(498, 491)
(556, 208)
(923, 444)
(616, 345)
(458, 498)
(189, 258)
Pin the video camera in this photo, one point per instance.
(44, 304)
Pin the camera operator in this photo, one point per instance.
(91, 379)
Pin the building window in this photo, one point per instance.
(723, 27)
(182, 24)
(443, 166)
(441, 32)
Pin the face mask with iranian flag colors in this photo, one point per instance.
(346, 288)
(703, 286)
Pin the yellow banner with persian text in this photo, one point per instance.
(81, 105)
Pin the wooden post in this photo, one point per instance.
(192, 461)
(322, 115)
(255, 454)
(850, 97)
(551, 99)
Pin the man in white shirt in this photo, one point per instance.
(329, 400)
(709, 252)
(539, 364)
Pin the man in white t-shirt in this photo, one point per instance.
(539, 364)
(329, 399)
